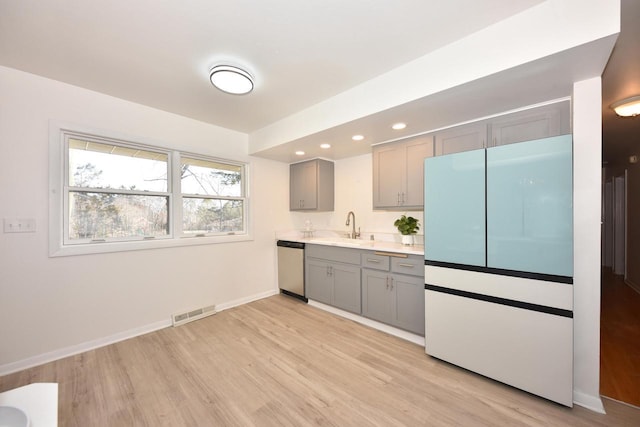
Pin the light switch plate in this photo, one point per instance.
(19, 225)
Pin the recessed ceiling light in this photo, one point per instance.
(325, 145)
(230, 79)
(300, 153)
(399, 126)
(357, 137)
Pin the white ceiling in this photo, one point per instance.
(158, 52)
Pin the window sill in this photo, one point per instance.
(109, 247)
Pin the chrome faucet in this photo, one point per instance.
(353, 234)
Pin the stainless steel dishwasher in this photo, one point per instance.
(291, 268)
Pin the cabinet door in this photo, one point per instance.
(454, 212)
(318, 282)
(461, 138)
(416, 151)
(388, 175)
(537, 123)
(408, 297)
(346, 287)
(376, 297)
(303, 186)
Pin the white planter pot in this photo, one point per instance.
(407, 239)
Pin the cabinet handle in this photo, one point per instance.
(405, 265)
(393, 254)
(387, 282)
(403, 199)
(375, 261)
(391, 283)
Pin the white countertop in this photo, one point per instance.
(371, 245)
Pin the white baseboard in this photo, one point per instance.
(416, 339)
(246, 300)
(61, 353)
(588, 401)
(632, 284)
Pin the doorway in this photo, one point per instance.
(620, 302)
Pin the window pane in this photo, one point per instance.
(96, 165)
(108, 215)
(211, 178)
(211, 216)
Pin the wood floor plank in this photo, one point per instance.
(279, 362)
(619, 340)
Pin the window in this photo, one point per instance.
(115, 192)
(112, 195)
(211, 196)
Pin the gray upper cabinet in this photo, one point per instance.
(311, 186)
(397, 173)
(461, 138)
(537, 123)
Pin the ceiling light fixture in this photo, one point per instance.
(399, 126)
(627, 107)
(299, 153)
(325, 146)
(357, 137)
(230, 79)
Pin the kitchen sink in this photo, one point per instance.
(342, 241)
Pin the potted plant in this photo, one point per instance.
(407, 226)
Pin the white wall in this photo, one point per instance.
(587, 181)
(50, 306)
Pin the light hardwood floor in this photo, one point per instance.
(619, 340)
(279, 362)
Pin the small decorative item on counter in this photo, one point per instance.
(407, 226)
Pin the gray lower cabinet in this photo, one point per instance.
(331, 282)
(394, 298)
(382, 286)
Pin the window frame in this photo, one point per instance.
(59, 242)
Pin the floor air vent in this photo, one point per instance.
(190, 316)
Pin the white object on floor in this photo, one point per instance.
(39, 401)
(13, 417)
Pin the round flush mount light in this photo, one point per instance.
(230, 79)
(325, 146)
(357, 137)
(399, 126)
(300, 153)
(629, 107)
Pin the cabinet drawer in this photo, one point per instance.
(333, 253)
(412, 265)
(377, 262)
